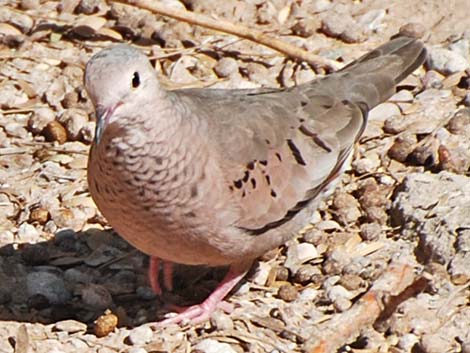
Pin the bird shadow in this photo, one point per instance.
(81, 275)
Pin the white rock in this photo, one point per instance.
(261, 275)
(402, 96)
(446, 61)
(462, 47)
(70, 326)
(384, 111)
(210, 345)
(137, 350)
(27, 233)
(297, 254)
(140, 335)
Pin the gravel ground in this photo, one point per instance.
(384, 265)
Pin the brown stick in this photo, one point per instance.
(252, 34)
(332, 334)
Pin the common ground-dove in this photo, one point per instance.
(219, 177)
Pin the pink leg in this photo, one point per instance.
(202, 312)
(154, 275)
(168, 275)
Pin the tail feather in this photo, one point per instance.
(372, 79)
(398, 57)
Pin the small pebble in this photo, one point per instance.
(282, 274)
(432, 80)
(426, 153)
(340, 297)
(298, 254)
(29, 4)
(412, 29)
(407, 342)
(402, 147)
(40, 215)
(38, 301)
(226, 67)
(446, 61)
(89, 7)
(221, 321)
(137, 350)
(96, 296)
(352, 281)
(376, 214)
(75, 275)
(261, 274)
(384, 111)
(55, 131)
(394, 125)
(70, 326)
(304, 27)
(140, 336)
(145, 293)
(27, 233)
(210, 345)
(346, 208)
(306, 274)
(459, 124)
(105, 324)
(35, 254)
(50, 285)
(370, 231)
(39, 119)
(73, 120)
(288, 292)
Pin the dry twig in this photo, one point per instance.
(252, 34)
(373, 306)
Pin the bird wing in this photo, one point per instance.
(278, 149)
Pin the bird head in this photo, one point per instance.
(118, 80)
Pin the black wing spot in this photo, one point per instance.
(246, 176)
(267, 141)
(273, 193)
(295, 152)
(315, 138)
(253, 183)
(268, 179)
(250, 166)
(278, 155)
(238, 184)
(303, 103)
(263, 162)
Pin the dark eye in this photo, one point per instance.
(136, 80)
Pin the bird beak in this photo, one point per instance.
(102, 118)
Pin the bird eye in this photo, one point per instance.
(136, 80)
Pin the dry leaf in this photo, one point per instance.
(284, 14)
(110, 33)
(9, 30)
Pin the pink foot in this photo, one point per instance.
(202, 312)
(154, 275)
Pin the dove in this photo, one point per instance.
(219, 177)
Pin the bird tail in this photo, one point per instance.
(373, 78)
